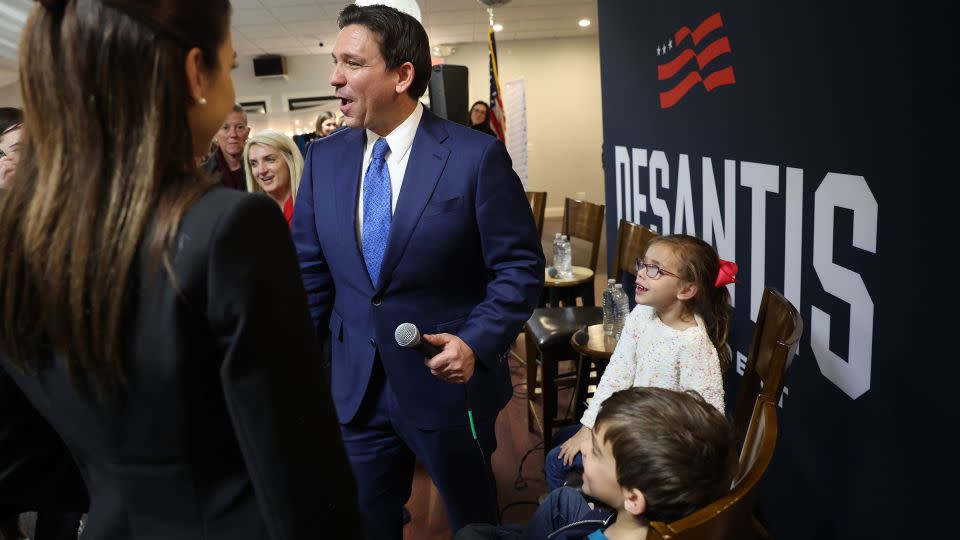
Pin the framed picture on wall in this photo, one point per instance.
(254, 107)
(296, 104)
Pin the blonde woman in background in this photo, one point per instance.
(274, 165)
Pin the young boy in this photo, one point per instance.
(657, 455)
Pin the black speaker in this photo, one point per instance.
(270, 65)
(448, 93)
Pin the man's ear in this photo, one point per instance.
(196, 77)
(634, 501)
(406, 73)
(687, 291)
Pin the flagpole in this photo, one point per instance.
(497, 117)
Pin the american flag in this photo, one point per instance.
(497, 123)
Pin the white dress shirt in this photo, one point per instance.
(399, 140)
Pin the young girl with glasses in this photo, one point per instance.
(675, 338)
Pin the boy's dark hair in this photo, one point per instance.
(673, 446)
(402, 39)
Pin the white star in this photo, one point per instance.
(670, 43)
(658, 51)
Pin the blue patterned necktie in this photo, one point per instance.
(376, 210)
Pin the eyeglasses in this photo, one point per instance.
(653, 271)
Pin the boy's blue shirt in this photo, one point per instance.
(597, 535)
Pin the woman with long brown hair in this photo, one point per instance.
(157, 323)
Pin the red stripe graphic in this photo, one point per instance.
(709, 24)
(713, 50)
(709, 53)
(671, 97)
(719, 78)
(716, 79)
(665, 71)
(716, 49)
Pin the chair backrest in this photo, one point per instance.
(584, 220)
(731, 516)
(776, 338)
(632, 241)
(538, 204)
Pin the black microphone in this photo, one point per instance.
(407, 335)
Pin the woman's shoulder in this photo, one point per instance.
(227, 217)
(222, 204)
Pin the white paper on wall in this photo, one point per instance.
(515, 103)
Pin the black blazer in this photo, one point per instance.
(226, 429)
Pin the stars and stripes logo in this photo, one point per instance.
(685, 68)
(497, 118)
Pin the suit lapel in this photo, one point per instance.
(427, 159)
(346, 173)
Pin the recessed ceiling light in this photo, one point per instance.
(497, 27)
(584, 23)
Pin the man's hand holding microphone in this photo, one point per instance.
(448, 357)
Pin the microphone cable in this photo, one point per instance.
(487, 470)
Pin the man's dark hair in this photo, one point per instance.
(674, 447)
(402, 39)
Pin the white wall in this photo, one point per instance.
(562, 79)
(307, 77)
(10, 95)
(564, 127)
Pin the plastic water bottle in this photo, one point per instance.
(608, 312)
(621, 306)
(557, 255)
(566, 262)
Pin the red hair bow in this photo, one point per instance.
(727, 273)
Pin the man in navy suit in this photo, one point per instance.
(407, 217)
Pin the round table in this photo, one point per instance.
(592, 342)
(559, 290)
(581, 275)
(595, 349)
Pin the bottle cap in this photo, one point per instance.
(611, 280)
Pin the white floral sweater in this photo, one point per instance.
(651, 353)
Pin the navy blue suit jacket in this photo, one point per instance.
(463, 257)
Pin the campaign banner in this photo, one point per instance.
(787, 135)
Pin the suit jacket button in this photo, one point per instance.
(376, 301)
(373, 342)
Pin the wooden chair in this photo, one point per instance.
(583, 220)
(538, 204)
(547, 337)
(776, 338)
(732, 515)
(632, 240)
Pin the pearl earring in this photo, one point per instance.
(202, 102)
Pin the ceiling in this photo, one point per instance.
(297, 27)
